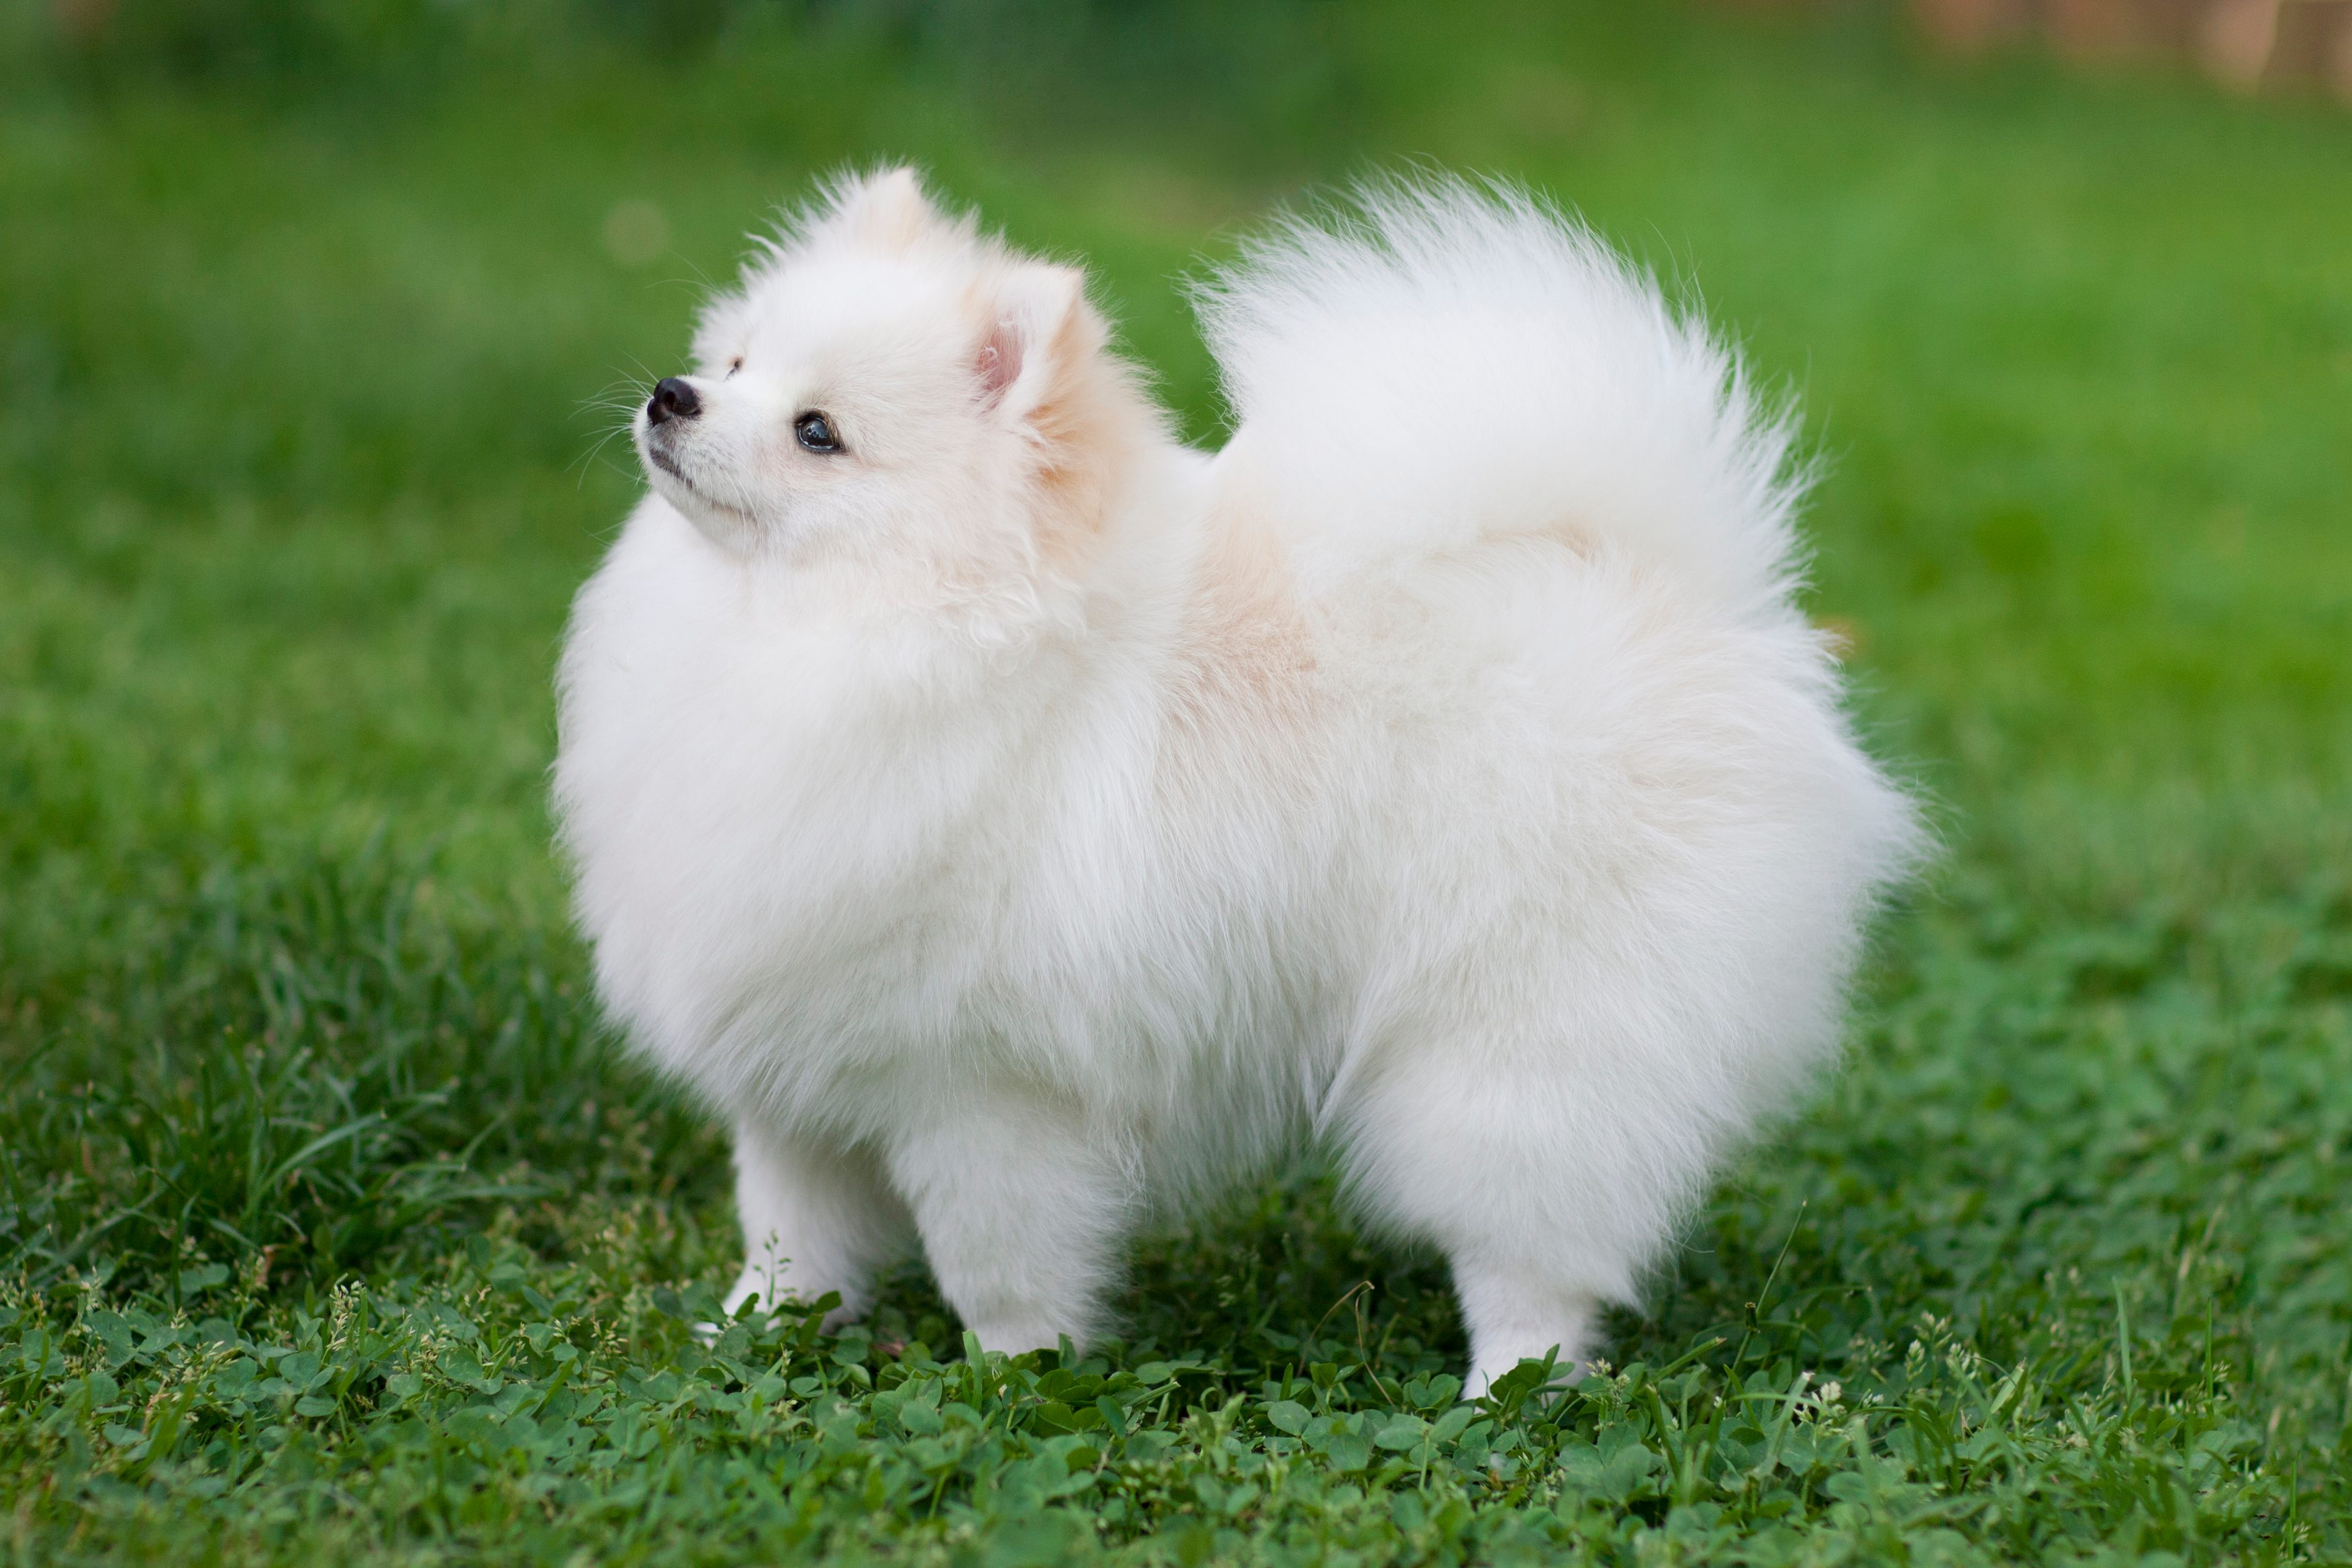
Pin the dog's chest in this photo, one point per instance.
(840, 885)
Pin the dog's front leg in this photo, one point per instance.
(1024, 1210)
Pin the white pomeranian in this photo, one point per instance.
(1025, 825)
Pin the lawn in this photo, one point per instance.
(334, 1228)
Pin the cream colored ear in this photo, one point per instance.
(1044, 373)
(888, 210)
(1041, 332)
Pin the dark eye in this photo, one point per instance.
(734, 365)
(817, 432)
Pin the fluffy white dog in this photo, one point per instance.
(1025, 825)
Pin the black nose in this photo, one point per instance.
(672, 399)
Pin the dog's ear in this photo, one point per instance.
(1042, 371)
(1038, 357)
(887, 210)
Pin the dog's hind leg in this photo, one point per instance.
(1546, 1197)
(816, 1218)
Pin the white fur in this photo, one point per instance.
(1025, 827)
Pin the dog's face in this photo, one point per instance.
(888, 388)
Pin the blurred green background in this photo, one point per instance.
(315, 320)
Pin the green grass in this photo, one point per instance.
(333, 1228)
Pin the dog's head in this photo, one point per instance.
(888, 387)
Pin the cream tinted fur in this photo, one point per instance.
(1025, 827)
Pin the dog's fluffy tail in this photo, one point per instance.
(1436, 365)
